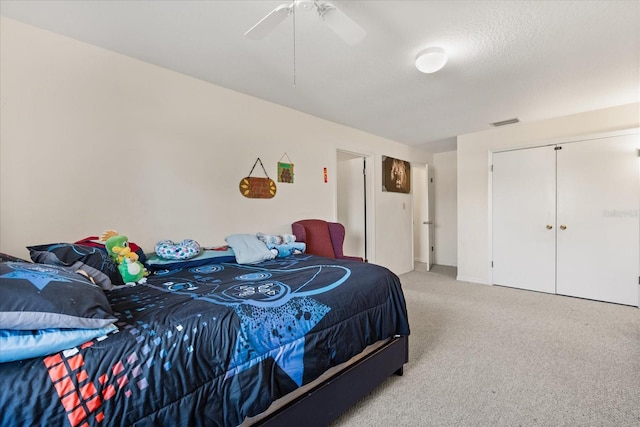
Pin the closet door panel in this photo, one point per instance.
(523, 204)
(598, 198)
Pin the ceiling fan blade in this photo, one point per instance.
(269, 22)
(346, 28)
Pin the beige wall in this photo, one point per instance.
(473, 173)
(93, 140)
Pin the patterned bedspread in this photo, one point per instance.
(209, 345)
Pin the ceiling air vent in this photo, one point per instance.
(506, 122)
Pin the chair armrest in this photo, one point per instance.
(299, 232)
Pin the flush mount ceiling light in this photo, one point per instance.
(431, 59)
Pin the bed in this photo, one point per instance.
(218, 344)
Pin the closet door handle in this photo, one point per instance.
(563, 227)
(549, 226)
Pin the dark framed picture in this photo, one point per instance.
(396, 175)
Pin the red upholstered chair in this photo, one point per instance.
(322, 238)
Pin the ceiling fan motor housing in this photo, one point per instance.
(305, 5)
(345, 27)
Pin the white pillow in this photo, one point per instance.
(248, 248)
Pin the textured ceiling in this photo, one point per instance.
(527, 59)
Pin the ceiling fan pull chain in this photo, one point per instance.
(294, 44)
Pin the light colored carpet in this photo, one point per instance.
(495, 356)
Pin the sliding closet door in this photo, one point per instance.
(523, 204)
(598, 225)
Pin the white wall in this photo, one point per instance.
(473, 173)
(446, 208)
(92, 140)
(394, 210)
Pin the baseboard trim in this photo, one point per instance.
(471, 280)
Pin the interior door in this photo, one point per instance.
(598, 205)
(430, 222)
(523, 205)
(422, 215)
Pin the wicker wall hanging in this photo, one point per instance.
(257, 188)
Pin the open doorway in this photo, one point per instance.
(354, 202)
(423, 215)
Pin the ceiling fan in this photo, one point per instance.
(346, 28)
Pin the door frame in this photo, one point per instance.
(425, 187)
(370, 197)
(535, 144)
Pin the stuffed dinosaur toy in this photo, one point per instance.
(117, 245)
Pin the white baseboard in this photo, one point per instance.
(472, 280)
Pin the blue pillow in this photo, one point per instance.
(94, 261)
(7, 257)
(206, 256)
(249, 249)
(19, 345)
(41, 296)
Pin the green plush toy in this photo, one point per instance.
(131, 270)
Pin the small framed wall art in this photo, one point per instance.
(396, 175)
(285, 170)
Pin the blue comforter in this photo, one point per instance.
(209, 345)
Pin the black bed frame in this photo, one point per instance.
(326, 401)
